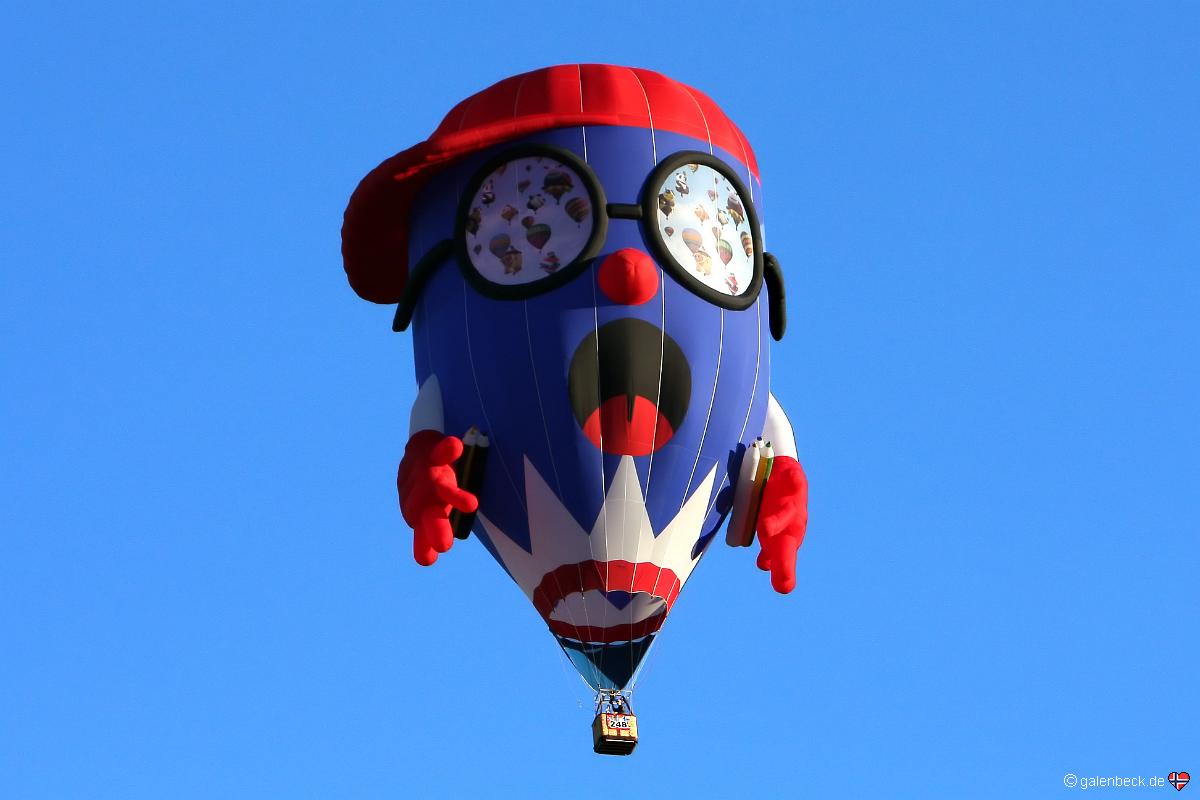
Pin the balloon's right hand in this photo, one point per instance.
(428, 490)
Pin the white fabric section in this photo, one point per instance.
(621, 530)
(516, 561)
(427, 414)
(554, 536)
(777, 429)
(573, 607)
(623, 523)
(673, 547)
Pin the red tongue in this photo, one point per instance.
(614, 430)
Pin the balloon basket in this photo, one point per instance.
(614, 730)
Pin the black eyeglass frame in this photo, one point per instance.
(565, 273)
(653, 235)
(645, 211)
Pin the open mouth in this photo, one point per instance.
(572, 600)
(629, 385)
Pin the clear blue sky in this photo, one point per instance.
(989, 219)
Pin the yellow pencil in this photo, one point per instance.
(761, 476)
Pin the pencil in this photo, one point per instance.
(469, 471)
(735, 536)
(762, 473)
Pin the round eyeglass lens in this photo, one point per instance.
(529, 217)
(703, 223)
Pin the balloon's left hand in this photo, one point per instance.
(782, 519)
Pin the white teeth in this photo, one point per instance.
(578, 606)
(622, 531)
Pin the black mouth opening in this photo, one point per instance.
(631, 369)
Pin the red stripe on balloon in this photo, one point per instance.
(605, 576)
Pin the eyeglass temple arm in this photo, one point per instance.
(776, 302)
(418, 276)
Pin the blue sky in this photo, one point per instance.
(988, 216)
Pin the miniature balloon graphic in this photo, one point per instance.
(703, 262)
(712, 195)
(538, 235)
(748, 243)
(522, 185)
(557, 183)
(669, 231)
(691, 237)
(511, 260)
(701, 213)
(577, 208)
(508, 213)
(724, 251)
(528, 221)
(735, 209)
(473, 220)
(499, 245)
(666, 202)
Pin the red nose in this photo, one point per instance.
(628, 277)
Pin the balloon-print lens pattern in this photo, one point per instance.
(528, 218)
(703, 222)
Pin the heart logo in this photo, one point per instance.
(1179, 780)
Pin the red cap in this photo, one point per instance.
(375, 229)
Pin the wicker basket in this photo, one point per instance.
(614, 734)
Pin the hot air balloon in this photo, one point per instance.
(724, 251)
(538, 235)
(577, 208)
(499, 244)
(488, 195)
(748, 244)
(511, 260)
(735, 209)
(508, 213)
(666, 202)
(557, 183)
(595, 422)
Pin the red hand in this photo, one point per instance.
(428, 489)
(782, 519)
